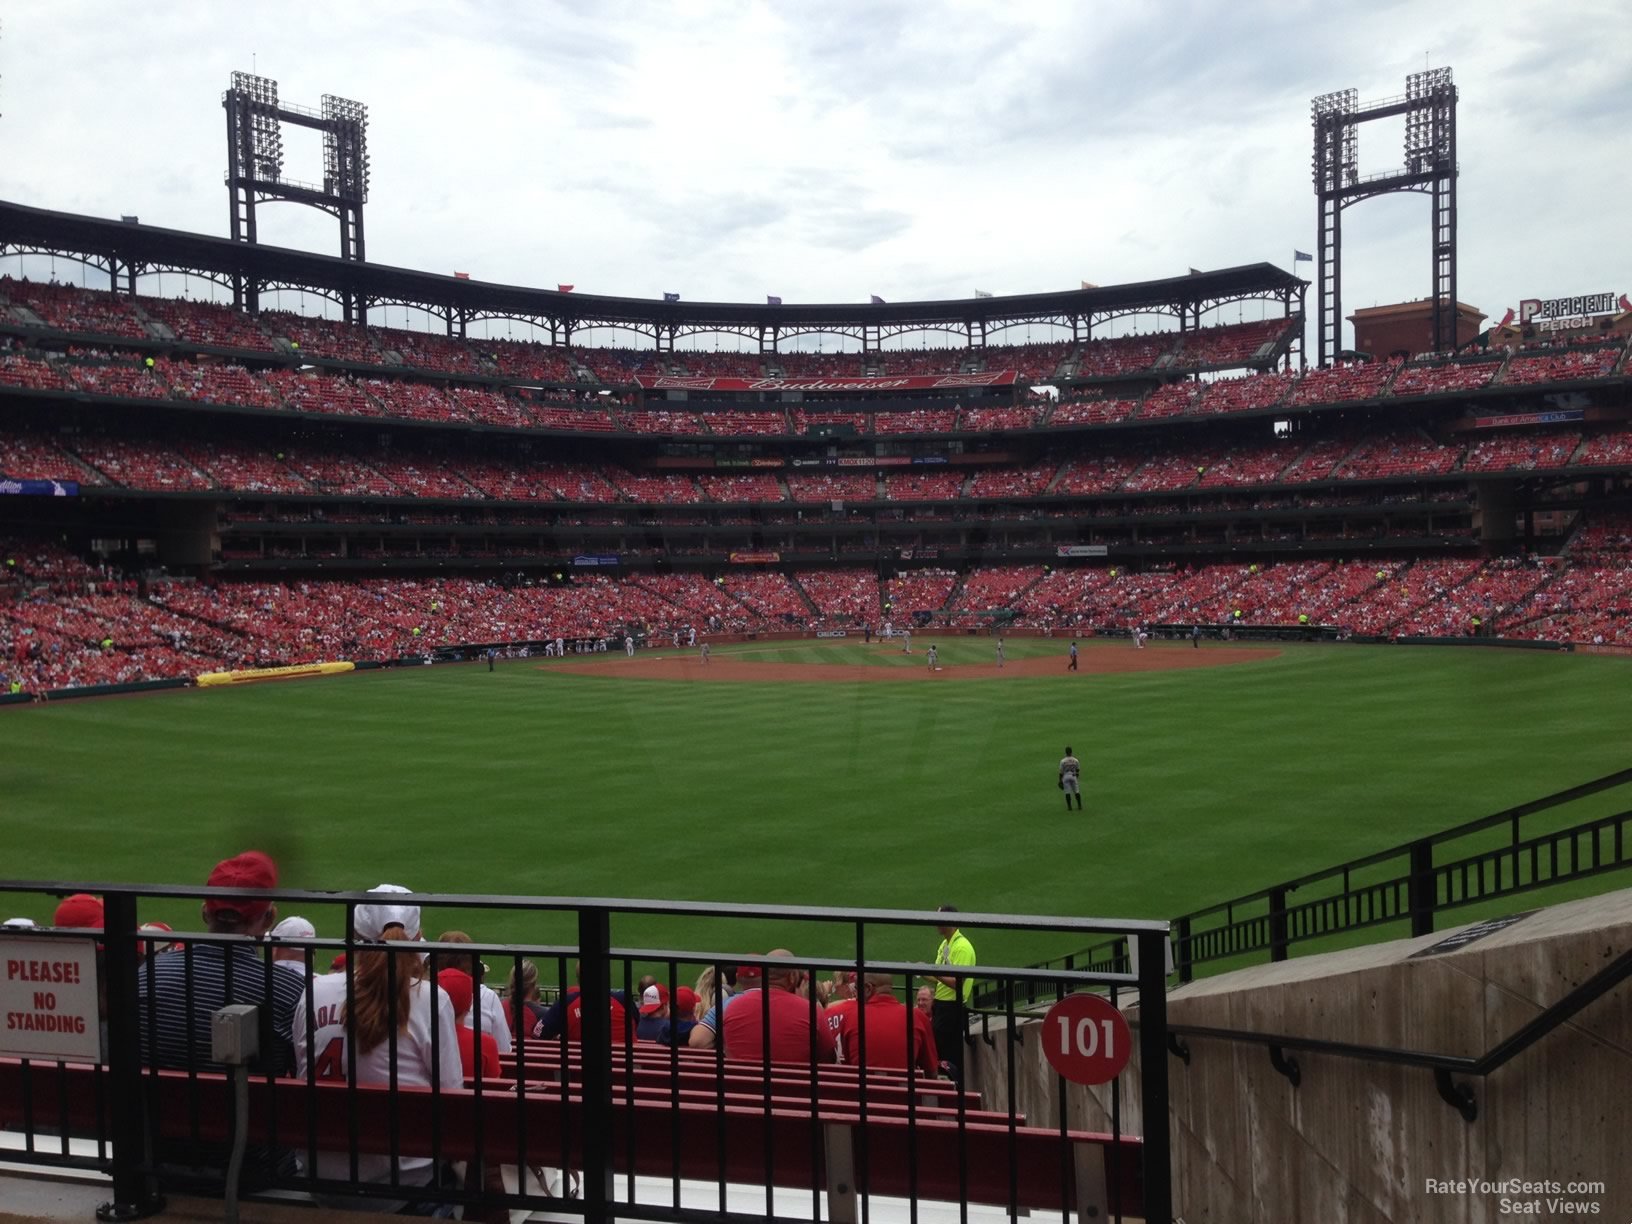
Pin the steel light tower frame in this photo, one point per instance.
(255, 119)
(1429, 107)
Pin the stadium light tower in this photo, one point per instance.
(1429, 107)
(255, 173)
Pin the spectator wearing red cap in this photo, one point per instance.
(896, 1034)
(80, 912)
(186, 990)
(566, 1015)
(488, 1003)
(793, 1021)
(148, 948)
(176, 994)
(657, 1022)
(353, 1016)
(456, 984)
(83, 912)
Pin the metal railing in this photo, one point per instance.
(1413, 883)
(656, 1132)
(1444, 1066)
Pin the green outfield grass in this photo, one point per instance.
(1199, 784)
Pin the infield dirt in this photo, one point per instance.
(724, 668)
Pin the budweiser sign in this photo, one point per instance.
(907, 382)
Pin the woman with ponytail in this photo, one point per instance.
(383, 991)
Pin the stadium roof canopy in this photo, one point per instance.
(127, 249)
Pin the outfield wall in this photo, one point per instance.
(1372, 1143)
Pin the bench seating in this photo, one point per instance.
(836, 1152)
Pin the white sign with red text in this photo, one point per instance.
(48, 998)
(1086, 1039)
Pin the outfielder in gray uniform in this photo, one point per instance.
(1071, 778)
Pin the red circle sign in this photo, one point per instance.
(1086, 1039)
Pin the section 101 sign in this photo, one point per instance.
(1086, 1039)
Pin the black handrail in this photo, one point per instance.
(1424, 889)
(1443, 1065)
(136, 1086)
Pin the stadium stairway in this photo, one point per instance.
(815, 612)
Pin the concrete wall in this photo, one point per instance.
(1358, 1142)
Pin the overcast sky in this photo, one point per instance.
(829, 151)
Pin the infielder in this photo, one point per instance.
(906, 641)
(704, 651)
(1000, 652)
(629, 644)
(932, 658)
(1071, 778)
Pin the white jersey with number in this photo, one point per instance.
(414, 1068)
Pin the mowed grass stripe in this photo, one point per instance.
(1199, 784)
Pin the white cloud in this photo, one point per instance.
(826, 152)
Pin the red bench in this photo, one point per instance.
(834, 1152)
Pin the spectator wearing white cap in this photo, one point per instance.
(389, 993)
(287, 956)
(657, 1022)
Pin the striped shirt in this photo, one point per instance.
(221, 974)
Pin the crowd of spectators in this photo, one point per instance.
(1089, 408)
(1251, 393)
(1507, 452)
(842, 597)
(1340, 382)
(927, 484)
(1438, 378)
(1228, 345)
(745, 487)
(846, 486)
(914, 591)
(1033, 362)
(65, 622)
(315, 338)
(72, 309)
(1560, 365)
(1120, 355)
(1402, 452)
(817, 365)
(208, 324)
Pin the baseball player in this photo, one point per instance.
(1072, 666)
(1000, 652)
(931, 658)
(629, 644)
(704, 652)
(906, 641)
(1071, 778)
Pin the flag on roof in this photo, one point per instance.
(563, 288)
(1625, 305)
(671, 297)
(1301, 256)
(877, 301)
(982, 293)
(772, 300)
(461, 276)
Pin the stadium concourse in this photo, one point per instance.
(237, 489)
